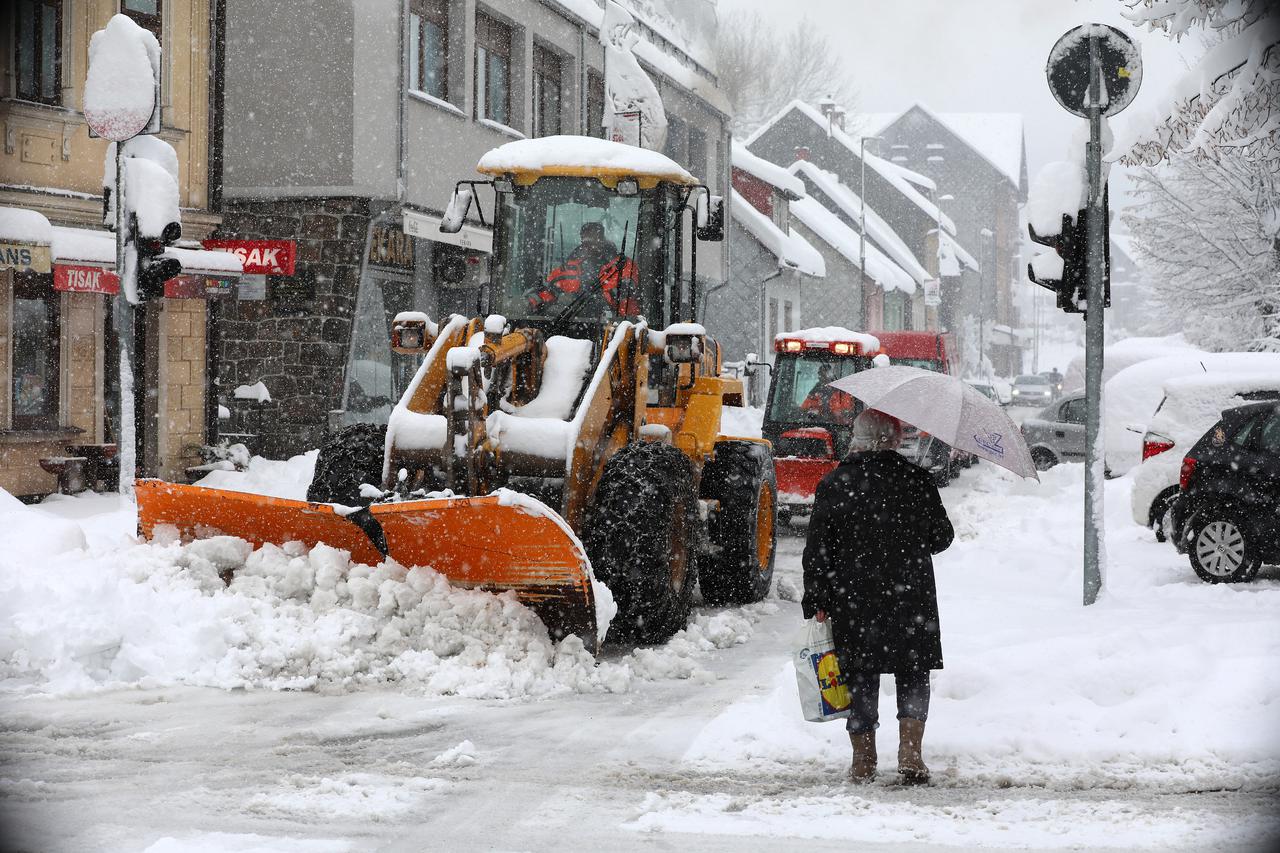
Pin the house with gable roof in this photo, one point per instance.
(771, 264)
(980, 159)
(907, 217)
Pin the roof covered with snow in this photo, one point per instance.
(902, 179)
(578, 156)
(766, 171)
(997, 137)
(18, 225)
(846, 241)
(788, 247)
(851, 205)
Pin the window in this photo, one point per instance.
(148, 14)
(1072, 412)
(36, 329)
(493, 70)
(546, 92)
(429, 47)
(1269, 435)
(595, 104)
(40, 50)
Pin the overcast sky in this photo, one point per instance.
(969, 55)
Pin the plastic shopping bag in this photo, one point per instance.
(823, 694)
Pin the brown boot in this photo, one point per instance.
(864, 757)
(910, 763)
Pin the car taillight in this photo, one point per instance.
(1154, 447)
(1188, 469)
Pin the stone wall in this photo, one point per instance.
(182, 386)
(298, 350)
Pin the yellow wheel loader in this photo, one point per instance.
(569, 434)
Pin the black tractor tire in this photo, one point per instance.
(744, 530)
(640, 534)
(1221, 546)
(349, 457)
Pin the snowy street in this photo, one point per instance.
(1142, 722)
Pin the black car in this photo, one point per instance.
(1227, 515)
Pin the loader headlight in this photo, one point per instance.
(628, 187)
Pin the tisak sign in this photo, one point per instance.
(260, 257)
(81, 279)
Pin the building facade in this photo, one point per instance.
(352, 148)
(58, 355)
(980, 160)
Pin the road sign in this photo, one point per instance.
(1068, 68)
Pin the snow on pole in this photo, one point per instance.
(635, 114)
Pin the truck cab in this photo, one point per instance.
(810, 424)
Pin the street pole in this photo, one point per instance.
(1095, 288)
(123, 320)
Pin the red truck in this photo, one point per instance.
(810, 425)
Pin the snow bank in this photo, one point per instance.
(121, 613)
(279, 479)
(1121, 354)
(1167, 683)
(579, 152)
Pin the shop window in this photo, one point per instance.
(595, 104)
(36, 330)
(493, 70)
(429, 47)
(39, 51)
(148, 14)
(546, 92)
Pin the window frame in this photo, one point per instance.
(37, 286)
(429, 12)
(147, 20)
(548, 77)
(492, 37)
(35, 95)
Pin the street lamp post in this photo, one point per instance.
(988, 236)
(862, 216)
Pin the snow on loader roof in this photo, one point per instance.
(580, 156)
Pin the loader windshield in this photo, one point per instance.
(800, 395)
(573, 248)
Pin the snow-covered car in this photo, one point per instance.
(1032, 390)
(1190, 406)
(1056, 434)
(1227, 516)
(1126, 353)
(1133, 394)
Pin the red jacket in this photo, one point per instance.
(617, 278)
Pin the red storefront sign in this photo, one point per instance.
(198, 287)
(272, 257)
(78, 279)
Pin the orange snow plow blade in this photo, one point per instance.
(486, 543)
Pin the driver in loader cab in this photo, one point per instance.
(598, 265)
(832, 403)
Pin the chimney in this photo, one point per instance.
(826, 105)
(837, 116)
(802, 152)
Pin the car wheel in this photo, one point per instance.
(1158, 519)
(1043, 459)
(1221, 547)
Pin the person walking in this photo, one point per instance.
(868, 567)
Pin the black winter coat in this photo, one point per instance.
(877, 519)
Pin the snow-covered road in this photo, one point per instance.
(1146, 722)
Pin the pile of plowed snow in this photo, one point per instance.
(76, 618)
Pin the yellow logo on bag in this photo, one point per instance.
(834, 691)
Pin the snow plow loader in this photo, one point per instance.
(569, 434)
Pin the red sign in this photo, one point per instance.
(78, 279)
(272, 257)
(197, 287)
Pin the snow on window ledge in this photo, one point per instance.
(439, 103)
(502, 128)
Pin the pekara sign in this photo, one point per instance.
(260, 257)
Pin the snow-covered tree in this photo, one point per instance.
(763, 66)
(1206, 231)
(1229, 99)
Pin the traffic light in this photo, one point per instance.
(153, 269)
(1070, 246)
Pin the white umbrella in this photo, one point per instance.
(943, 406)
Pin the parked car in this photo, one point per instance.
(1227, 515)
(1056, 434)
(987, 390)
(1032, 390)
(1190, 405)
